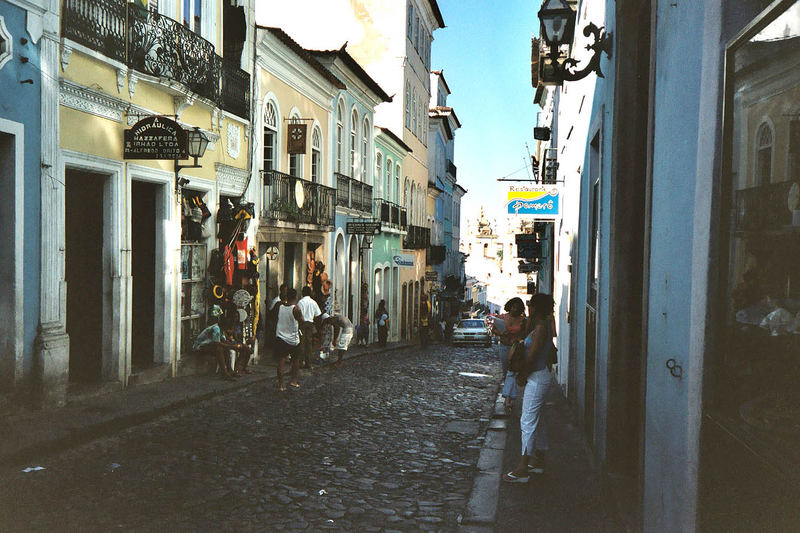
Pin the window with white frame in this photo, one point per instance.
(364, 150)
(316, 154)
(411, 212)
(378, 172)
(387, 191)
(408, 106)
(6, 44)
(353, 142)
(414, 111)
(339, 135)
(397, 184)
(410, 21)
(764, 154)
(270, 137)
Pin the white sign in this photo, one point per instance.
(403, 260)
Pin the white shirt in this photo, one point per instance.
(309, 308)
(287, 329)
(274, 301)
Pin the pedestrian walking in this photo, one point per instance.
(310, 310)
(338, 336)
(514, 330)
(287, 338)
(424, 320)
(382, 319)
(535, 377)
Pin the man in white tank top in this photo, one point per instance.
(287, 338)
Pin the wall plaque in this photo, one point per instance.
(156, 138)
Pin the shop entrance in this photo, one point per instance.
(143, 269)
(84, 223)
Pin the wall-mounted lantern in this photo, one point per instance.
(196, 146)
(557, 20)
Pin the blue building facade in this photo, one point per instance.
(20, 177)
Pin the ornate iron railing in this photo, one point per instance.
(96, 24)
(353, 193)
(417, 238)
(160, 46)
(235, 97)
(390, 214)
(297, 200)
(763, 207)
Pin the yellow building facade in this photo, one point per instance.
(124, 277)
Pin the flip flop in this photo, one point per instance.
(509, 477)
(294, 385)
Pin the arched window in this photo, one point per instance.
(764, 139)
(353, 142)
(364, 149)
(378, 172)
(316, 154)
(414, 111)
(270, 136)
(408, 106)
(397, 184)
(411, 212)
(339, 135)
(405, 195)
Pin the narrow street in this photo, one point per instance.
(383, 443)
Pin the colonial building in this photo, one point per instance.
(123, 278)
(28, 151)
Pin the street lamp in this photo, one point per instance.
(198, 142)
(557, 20)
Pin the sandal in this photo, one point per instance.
(510, 477)
(294, 385)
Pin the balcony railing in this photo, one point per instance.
(353, 193)
(390, 214)
(418, 238)
(292, 199)
(763, 207)
(235, 96)
(156, 45)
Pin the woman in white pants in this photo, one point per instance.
(536, 379)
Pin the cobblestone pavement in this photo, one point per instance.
(386, 442)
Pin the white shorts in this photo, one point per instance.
(345, 337)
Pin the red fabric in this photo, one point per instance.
(227, 265)
(242, 254)
(514, 332)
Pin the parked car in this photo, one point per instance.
(472, 331)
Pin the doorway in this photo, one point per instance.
(404, 313)
(143, 270)
(288, 264)
(84, 229)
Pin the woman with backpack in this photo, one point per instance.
(534, 375)
(382, 320)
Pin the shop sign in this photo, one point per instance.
(297, 139)
(156, 138)
(403, 260)
(272, 253)
(538, 202)
(431, 276)
(363, 228)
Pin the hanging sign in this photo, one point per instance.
(363, 228)
(156, 138)
(538, 202)
(431, 275)
(297, 138)
(272, 253)
(403, 260)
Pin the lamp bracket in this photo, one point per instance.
(565, 70)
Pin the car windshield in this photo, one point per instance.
(472, 324)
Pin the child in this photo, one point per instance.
(363, 329)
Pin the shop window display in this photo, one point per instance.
(754, 383)
(194, 233)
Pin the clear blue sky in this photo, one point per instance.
(485, 52)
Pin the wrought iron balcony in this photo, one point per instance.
(390, 214)
(436, 255)
(418, 238)
(763, 207)
(96, 24)
(353, 194)
(235, 97)
(159, 46)
(292, 199)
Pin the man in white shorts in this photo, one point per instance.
(338, 335)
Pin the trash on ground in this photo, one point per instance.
(323, 492)
(32, 469)
(473, 375)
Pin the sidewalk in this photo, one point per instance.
(27, 434)
(568, 497)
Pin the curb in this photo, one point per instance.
(116, 424)
(481, 511)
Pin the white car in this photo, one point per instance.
(472, 331)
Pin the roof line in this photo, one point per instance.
(304, 54)
(389, 133)
(356, 68)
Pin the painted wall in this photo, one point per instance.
(21, 103)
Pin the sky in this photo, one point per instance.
(485, 52)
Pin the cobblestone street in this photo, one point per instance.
(386, 442)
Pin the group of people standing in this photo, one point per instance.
(532, 337)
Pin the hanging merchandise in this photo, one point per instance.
(228, 265)
(203, 207)
(242, 255)
(218, 291)
(215, 264)
(241, 298)
(242, 315)
(244, 212)
(252, 266)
